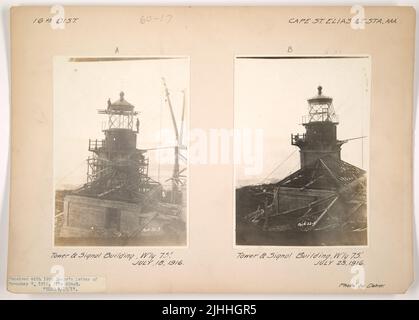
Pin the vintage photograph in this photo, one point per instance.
(120, 156)
(313, 112)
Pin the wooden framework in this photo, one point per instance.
(117, 170)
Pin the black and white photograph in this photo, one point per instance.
(120, 157)
(311, 189)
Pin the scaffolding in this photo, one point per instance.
(116, 169)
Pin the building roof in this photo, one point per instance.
(320, 98)
(325, 173)
(121, 104)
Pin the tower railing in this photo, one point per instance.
(95, 145)
(297, 138)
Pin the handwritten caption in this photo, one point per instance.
(355, 258)
(163, 18)
(348, 21)
(147, 258)
(49, 20)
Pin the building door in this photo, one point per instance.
(113, 219)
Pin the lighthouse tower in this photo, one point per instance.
(320, 138)
(117, 170)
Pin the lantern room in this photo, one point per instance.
(320, 138)
(320, 108)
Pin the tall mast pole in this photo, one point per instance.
(175, 176)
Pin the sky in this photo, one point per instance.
(271, 94)
(82, 88)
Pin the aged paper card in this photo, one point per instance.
(211, 149)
